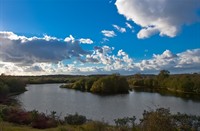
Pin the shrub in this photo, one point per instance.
(96, 126)
(159, 120)
(186, 122)
(125, 122)
(41, 121)
(17, 116)
(75, 119)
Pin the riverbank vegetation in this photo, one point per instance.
(181, 83)
(164, 82)
(113, 84)
(176, 84)
(161, 119)
(44, 79)
(10, 86)
(13, 118)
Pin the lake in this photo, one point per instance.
(49, 97)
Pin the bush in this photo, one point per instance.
(41, 121)
(75, 119)
(96, 126)
(125, 122)
(159, 120)
(17, 116)
(186, 122)
(33, 118)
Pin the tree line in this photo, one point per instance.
(186, 83)
(107, 84)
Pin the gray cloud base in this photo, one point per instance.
(23, 50)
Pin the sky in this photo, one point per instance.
(82, 37)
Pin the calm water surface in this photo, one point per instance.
(49, 97)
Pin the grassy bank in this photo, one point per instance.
(161, 119)
(92, 126)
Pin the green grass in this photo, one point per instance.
(90, 126)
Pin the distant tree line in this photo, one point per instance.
(112, 84)
(188, 83)
(107, 84)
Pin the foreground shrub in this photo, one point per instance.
(17, 116)
(186, 122)
(154, 120)
(75, 119)
(33, 118)
(42, 122)
(125, 122)
(96, 126)
(159, 120)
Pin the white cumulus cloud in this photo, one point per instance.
(21, 55)
(159, 16)
(187, 61)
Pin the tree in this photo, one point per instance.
(4, 89)
(137, 76)
(162, 77)
(163, 74)
(110, 85)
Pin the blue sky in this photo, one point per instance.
(107, 36)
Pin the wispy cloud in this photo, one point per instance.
(130, 26)
(120, 29)
(108, 33)
(71, 39)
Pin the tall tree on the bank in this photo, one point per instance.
(163, 74)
